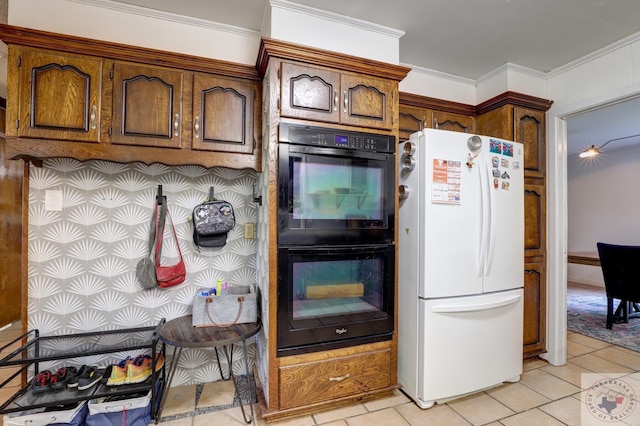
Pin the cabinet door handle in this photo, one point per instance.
(339, 378)
(346, 101)
(94, 112)
(335, 99)
(176, 124)
(196, 126)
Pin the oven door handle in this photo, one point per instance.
(337, 152)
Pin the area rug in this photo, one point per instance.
(587, 315)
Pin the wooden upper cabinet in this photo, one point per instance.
(223, 114)
(321, 94)
(529, 129)
(147, 106)
(412, 119)
(453, 122)
(310, 93)
(58, 95)
(367, 101)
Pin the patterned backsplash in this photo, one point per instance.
(82, 257)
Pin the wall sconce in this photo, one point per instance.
(592, 151)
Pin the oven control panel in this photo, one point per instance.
(334, 138)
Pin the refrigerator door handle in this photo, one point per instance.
(484, 187)
(450, 308)
(491, 233)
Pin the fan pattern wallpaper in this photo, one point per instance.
(83, 254)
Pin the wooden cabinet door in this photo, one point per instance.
(309, 93)
(367, 101)
(147, 106)
(453, 122)
(317, 381)
(534, 332)
(59, 96)
(223, 114)
(530, 130)
(412, 119)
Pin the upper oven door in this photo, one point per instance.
(335, 196)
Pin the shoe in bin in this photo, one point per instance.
(61, 377)
(42, 382)
(72, 382)
(90, 377)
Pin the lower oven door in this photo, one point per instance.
(336, 296)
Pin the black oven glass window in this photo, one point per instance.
(340, 189)
(327, 291)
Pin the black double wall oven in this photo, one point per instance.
(336, 252)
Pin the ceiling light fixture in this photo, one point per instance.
(592, 151)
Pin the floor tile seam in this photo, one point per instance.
(484, 392)
(553, 375)
(626, 366)
(537, 408)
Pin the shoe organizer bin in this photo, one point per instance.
(36, 353)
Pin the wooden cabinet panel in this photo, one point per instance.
(412, 119)
(223, 114)
(309, 92)
(147, 106)
(534, 220)
(453, 122)
(367, 101)
(326, 95)
(308, 383)
(530, 130)
(534, 309)
(59, 96)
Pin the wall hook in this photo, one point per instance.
(258, 198)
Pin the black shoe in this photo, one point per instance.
(42, 382)
(73, 380)
(61, 377)
(90, 377)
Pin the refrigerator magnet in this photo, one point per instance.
(495, 162)
(496, 173)
(495, 183)
(507, 149)
(505, 186)
(505, 175)
(495, 146)
(516, 165)
(504, 163)
(470, 159)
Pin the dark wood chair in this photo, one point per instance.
(621, 271)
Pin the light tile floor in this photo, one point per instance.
(545, 395)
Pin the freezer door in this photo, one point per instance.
(468, 344)
(504, 170)
(451, 215)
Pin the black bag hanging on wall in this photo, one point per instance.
(212, 220)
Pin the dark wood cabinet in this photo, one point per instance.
(313, 87)
(412, 119)
(420, 112)
(58, 95)
(224, 112)
(321, 94)
(453, 122)
(95, 100)
(147, 106)
(521, 118)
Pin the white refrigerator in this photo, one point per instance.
(461, 264)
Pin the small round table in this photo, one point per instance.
(181, 334)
